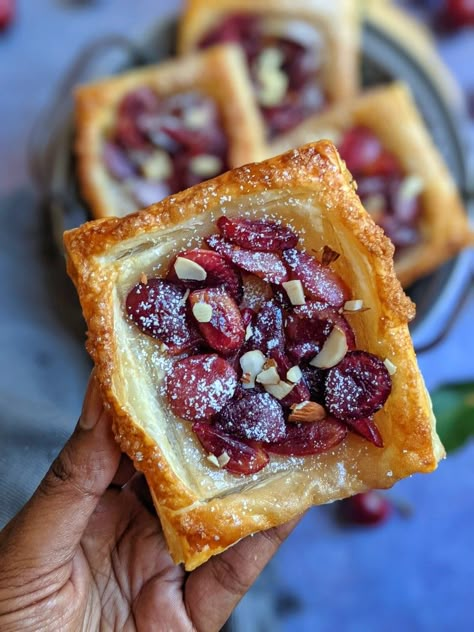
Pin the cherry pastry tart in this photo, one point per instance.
(401, 178)
(301, 56)
(250, 338)
(152, 132)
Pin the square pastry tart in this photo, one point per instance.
(148, 133)
(250, 338)
(302, 54)
(401, 177)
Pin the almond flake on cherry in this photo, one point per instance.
(243, 458)
(266, 265)
(199, 386)
(225, 331)
(220, 272)
(319, 282)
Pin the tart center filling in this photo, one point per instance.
(285, 60)
(162, 145)
(278, 375)
(392, 198)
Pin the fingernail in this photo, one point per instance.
(92, 407)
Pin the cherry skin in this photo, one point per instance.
(369, 508)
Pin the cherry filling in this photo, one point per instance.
(392, 199)
(284, 63)
(162, 145)
(283, 378)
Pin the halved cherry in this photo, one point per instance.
(255, 416)
(243, 458)
(310, 438)
(358, 386)
(314, 321)
(316, 382)
(367, 429)
(319, 282)
(157, 308)
(219, 272)
(117, 162)
(368, 508)
(225, 331)
(302, 351)
(266, 265)
(257, 234)
(199, 386)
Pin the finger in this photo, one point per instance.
(51, 524)
(125, 472)
(213, 590)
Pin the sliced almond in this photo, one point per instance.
(252, 364)
(189, 270)
(307, 412)
(295, 292)
(185, 296)
(273, 85)
(411, 187)
(248, 332)
(197, 117)
(205, 165)
(391, 368)
(294, 374)
(212, 458)
(158, 166)
(353, 306)
(280, 390)
(333, 350)
(268, 376)
(223, 459)
(246, 378)
(143, 278)
(202, 312)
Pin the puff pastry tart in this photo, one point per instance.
(302, 54)
(145, 134)
(250, 338)
(401, 177)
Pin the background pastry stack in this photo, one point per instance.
(254, 79)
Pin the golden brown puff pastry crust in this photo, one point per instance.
(204, 510)
(337, 21)
(392, 114)
(219, 72)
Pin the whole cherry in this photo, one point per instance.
(457, 13)
(369, 508)
(7, 13)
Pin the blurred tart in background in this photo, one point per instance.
(302, 55)
(401, 177)
(154, 131)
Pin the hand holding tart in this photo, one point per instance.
(250, 338)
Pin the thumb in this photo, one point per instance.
(50, 526)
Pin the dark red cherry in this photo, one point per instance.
(255, 416)
(310, 438)
(243, 458)
(158, 309)
(367, 429)
(369, 508)
(358, 386)
(199, 386)
(257, 234)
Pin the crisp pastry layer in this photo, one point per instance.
(218, 74)
(392, 115)
(204, 510)
(331, 29)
